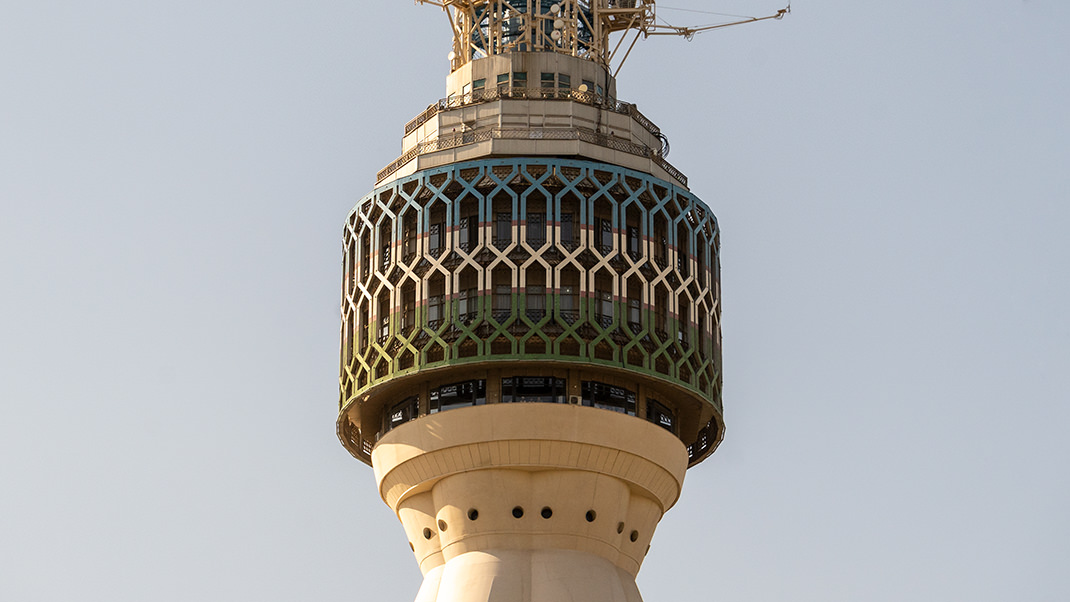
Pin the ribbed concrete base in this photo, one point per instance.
(529, 502)
(528, 576)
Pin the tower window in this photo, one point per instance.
(503, 302)
(604, 232)
(535, 302)
(467, 305)
(458, 395)
(533, 389)
(547, 80)
(633, 242)
(434, 238)
(608, 397)
(503, 230)
(400, 413)
(635, 314)
(660, 415)
(469, 233)
(536, 229)
(568, 231)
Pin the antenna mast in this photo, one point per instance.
(580, 28)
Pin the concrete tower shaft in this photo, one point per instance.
(529, 502)
(531, 348)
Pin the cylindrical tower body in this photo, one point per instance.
(531, 349)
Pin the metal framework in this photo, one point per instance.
(574, 27)
(580, 28)
(572, 263)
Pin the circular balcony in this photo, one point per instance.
(531, 279)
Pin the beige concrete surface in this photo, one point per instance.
(529, 502)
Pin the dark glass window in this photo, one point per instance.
(533, 389)
(385, 241)
(503, 81)
(535, 302)
(660, 415)
(503, 230)
(604, 308)
(408, 307)
(469, 233)
(564, 81)
(568, 231)
(570, 308)
(635, 314)
(401, 412)
(633, 242)
(503, 302)
(604, 229)
(467, 305)
(479, 85)
(520, 79)
(701, 260)
(458, 395)
(434, 238)
(608, 397)
(536, 229)
(365, 254)
(547, 80)
(434, 311)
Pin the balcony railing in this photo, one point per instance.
(583, 134)
(492, 94)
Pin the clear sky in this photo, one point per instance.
(891, 180)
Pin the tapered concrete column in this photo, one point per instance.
(529, 502)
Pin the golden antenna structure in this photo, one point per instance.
(579, 28)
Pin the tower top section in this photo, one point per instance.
(579, 28)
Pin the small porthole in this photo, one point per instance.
(518, 512)
(547, 512)
(473, 514)
(591, 516)
(620, 527)
(442, 526)
(634, 536)
(427, 533)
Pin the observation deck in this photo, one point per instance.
(531, 279)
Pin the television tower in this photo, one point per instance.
(530, 345)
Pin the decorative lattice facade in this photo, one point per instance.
(586, 270)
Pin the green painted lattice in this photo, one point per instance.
(447, 267)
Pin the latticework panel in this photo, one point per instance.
(532, 259)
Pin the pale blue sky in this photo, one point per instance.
(891, 180)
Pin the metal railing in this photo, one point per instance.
(511, 93)
(582, 134)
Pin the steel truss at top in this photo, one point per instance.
(578, 28)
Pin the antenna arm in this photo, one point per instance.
(689, 32)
